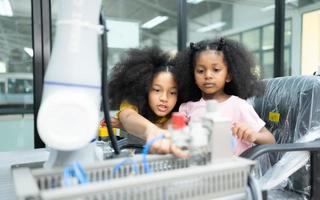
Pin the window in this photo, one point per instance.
(252, 39)
(16, 76)
(260, 42)
(134, 24)
(16, 57)
(248, 22)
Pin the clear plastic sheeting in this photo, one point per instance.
(290, 162)
(290, 108)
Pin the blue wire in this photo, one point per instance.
(233, 143)
(145, 152)
(80, 173)
(77, 171)
(127, 160)
(67, 173)
(146, 149)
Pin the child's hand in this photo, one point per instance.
(103, 123)
(243, 132)
(164, 145)
(115, 123)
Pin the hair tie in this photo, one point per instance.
(221, 44)
(194, 46)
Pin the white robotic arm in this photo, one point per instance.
(68, 117)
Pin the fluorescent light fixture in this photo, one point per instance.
(211, 27)
(272, 6)
(29, 51)
(292, 1)
(3, 67)
(5, 8)
(194, 1)
(267, 47)
(154, 22)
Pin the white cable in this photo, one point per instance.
(85, 24)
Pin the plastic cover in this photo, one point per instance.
(288, 164)
(290, 108)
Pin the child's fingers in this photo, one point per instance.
(236, 130)
(240, 134)
(165, 146)
(178, 152)
(160, 147)
(242, 131)
(250, 136)
(103, 123)
(246, 136)
(114, 121)
(155, 147)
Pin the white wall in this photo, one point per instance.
(310, 42)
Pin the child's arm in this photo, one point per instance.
(115, 122)
(243, 132)
(264, 136)
(136, 124)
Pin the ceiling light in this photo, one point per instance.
(5, 8)
(267, 47)
(211, 27)
(194, 1)
(3, 67)
(154, 22)
(29, 51)
(292, 1)
(270, 7)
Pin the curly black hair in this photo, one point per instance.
(239, 61)
(132, 76)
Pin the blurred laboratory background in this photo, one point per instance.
(283, 35)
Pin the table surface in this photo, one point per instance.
(7, 159)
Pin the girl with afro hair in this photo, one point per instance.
(221, 70)
(145, 85)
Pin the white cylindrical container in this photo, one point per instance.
(219, 128)
(199, 135)
(68, 117)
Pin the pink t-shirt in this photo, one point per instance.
(235, 108)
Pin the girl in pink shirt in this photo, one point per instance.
(222, 70)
